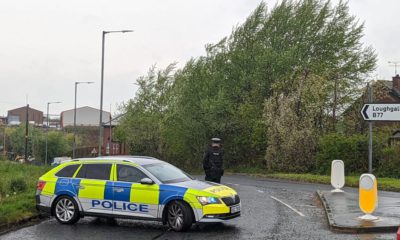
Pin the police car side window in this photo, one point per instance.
(129, 174)
(95, 171)
(68, 171)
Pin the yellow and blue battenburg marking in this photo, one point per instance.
(134, 198)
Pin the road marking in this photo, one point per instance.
(260, 191)
(236, 184)
(287, 205)
(310, 206)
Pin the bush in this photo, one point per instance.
(353, 150)
(389, 163)
(2, 190)
(18, 185)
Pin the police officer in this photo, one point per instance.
(213, 162)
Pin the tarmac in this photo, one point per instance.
(343, 212)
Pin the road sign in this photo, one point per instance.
(381, 112)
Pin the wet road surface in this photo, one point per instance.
(271, 209)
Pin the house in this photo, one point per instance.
(383, 91)
(85, 116)
(18, 115)
(110, 145)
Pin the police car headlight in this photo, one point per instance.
(208, 200)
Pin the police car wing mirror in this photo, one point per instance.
(147, 181)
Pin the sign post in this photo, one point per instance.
(370, 133)
(372, 112)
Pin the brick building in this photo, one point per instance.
(110, 145)
(18, 115)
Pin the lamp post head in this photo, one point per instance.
(119, 31)
(83, 82)
(52, 102)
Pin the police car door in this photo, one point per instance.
(130, 196)
(92, 187)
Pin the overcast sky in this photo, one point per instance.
(47, 45)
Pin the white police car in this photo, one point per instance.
(133, 187)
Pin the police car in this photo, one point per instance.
(133, 187)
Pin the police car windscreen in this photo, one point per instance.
(167, 173)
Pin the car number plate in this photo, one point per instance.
(235, 209)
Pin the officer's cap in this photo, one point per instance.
(216, 140)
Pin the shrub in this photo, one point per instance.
(353, 150)
(17, 185)
(389, 163)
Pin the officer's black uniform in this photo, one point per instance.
(213, 163)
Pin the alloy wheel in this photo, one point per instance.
(65, 209)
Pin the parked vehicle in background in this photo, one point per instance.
(59, 160)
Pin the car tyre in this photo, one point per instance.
(66, 210)
(179, 216)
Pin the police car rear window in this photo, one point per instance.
(95, 171)
(129, 174)
(68, 171)
(167, 173)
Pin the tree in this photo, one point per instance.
(141, 127)
(272, 57)
(294, 123)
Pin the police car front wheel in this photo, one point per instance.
(179, 216)
(66, 210)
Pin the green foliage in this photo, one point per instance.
(294, 125)
(142, 126)
(353, 150)
(21, 179)
(86, 136)
(388, 165)
(18, 185)
(59, 143)
(16, 137)
(275, 56)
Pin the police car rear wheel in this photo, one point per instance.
(66, 210)
(179, 216)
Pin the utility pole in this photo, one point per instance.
(26, 132)
(394, 64)
(370, 132)
(47, 131)
(4, 142)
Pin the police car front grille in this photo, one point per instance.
(229, 201)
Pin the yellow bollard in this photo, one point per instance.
(368, 196)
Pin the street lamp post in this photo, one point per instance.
(76, 92)
(47, 128)
(102, 84)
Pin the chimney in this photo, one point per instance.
(396, 82)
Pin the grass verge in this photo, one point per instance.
(17, 191)
(384, 184)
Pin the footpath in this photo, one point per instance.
(343, 212)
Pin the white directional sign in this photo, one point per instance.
(381, 112)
